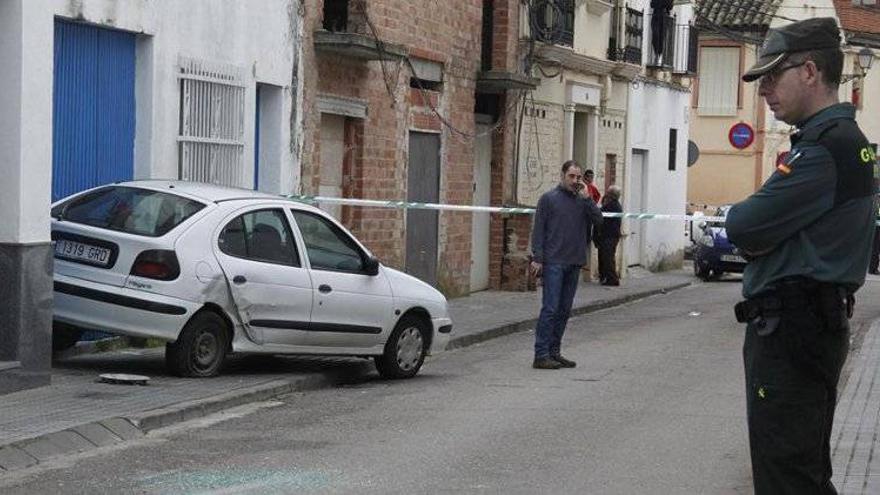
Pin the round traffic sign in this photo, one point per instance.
(741, 135)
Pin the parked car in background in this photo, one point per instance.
(713, 253)
(213, 270)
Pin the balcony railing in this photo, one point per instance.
(686, 43)
(552, 21)
(631, 50)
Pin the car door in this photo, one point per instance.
(350, 307)
(271, 289)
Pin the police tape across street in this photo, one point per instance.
(413, 205)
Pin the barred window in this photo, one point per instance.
(211, 122)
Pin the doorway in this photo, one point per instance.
(635, 242)
(482, 197)
(332, 158)
(423, 185)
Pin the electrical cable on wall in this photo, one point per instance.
(426, 97)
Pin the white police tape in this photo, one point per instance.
(414, 205)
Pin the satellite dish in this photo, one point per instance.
(693, 153)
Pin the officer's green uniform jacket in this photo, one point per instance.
(814, 216)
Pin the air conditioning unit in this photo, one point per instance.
(864, 2)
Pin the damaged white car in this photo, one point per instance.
(213, 270)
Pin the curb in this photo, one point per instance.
(27, 453)
(523, 326)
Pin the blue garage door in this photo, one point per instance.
(94, 107)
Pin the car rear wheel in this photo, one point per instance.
(64, 336)
(201, 347)
(405, 349)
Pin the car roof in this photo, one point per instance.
(200, 190)
(212, 192)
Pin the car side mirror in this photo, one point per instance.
(371, 266)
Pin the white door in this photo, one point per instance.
(351, 308)
(634, 242)
(271, 289)
(480, 221)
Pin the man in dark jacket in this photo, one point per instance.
(607, 235)
(809, 246)
(560, 236)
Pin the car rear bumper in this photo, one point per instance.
(119, 310)
(442, 333)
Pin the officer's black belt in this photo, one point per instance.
(794, 293)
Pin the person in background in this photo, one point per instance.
(592, 190)
(560, 236)
(606, 237)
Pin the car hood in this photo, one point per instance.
(408, 287)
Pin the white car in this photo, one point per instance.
(213, 270)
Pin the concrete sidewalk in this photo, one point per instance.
(77, 413)
(854, 446)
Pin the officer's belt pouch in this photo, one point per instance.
(762, 314)
(765, 325)
(748, 310)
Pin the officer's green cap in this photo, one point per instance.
(812, 34)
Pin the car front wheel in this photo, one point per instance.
(201, 347)
(405, 349)
(701, 271)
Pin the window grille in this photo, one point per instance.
(211, 140)
(631, 49)
(552, 21)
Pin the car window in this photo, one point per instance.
(128, 209)
(328, 247)
(720, 212)
(260, 236)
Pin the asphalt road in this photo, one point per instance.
(655, 406)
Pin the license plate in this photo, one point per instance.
(79, 251)
(732, 258)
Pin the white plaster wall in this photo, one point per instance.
(653, 110)
(260, 36)
(25, 123)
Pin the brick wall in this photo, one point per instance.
(540, 150)
(446, 32)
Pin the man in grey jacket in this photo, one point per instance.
(560, 237)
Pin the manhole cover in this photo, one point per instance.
(124, 379)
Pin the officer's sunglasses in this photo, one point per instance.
(771, 78)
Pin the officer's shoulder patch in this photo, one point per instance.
(787, 164)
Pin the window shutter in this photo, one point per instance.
(719, 80)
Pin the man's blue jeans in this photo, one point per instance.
(560, 284)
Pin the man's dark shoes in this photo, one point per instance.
(874, 271)
(565, 363)
(546, 364)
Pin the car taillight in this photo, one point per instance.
(159, 264)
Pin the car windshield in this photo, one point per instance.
(128, 209)
(720, 212)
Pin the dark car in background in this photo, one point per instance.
(713, 253)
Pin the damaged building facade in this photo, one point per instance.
(415, 102)
(98, 91)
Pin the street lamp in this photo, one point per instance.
(864, 58)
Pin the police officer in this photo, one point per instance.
(807, 232)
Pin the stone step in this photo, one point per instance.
(13, 378)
